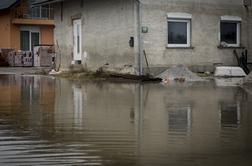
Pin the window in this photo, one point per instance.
(34, 39)
(29, 37)
(25, 40)
(179, 30)
(45, 10)
(41, 12)
(230, 31)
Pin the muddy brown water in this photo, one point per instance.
(47, 121)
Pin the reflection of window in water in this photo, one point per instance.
(77, 96)
(179, 117)
(230, 114)
(29, 93)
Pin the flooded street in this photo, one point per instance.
(48, 121)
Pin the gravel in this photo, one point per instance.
(179, 73)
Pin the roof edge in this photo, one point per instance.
(45, 2)
(11, 5)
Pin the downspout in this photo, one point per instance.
(247, 19)
(140, 38)
(247, 9)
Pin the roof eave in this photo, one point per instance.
(11, 5)
(45, 2)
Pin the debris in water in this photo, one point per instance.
(53, 72)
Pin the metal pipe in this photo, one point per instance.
(140, 39)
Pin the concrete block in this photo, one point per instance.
(227, 71)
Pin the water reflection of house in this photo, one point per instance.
(33, 93)
(230, 114)
(38, 90)
(193, 120)
(96, 113)
(78, 105)
(179, 117)
(10, 88)
(150, 123)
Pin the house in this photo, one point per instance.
(22, 27)
(123, 35)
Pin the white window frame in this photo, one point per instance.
(232, 19)
(180, 17)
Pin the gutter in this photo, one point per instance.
(45, 2)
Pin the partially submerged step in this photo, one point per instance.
(228, 71)
(75, 68)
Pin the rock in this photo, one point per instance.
(53, 72)
(208, 73)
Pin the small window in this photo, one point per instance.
(45, 10)
(34, 39)
(230, 32)
(35, 12)
(25, 40)
(29, 37)
(179, 30)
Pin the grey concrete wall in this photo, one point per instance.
(205, 31)
(108, 25)
(106, 29)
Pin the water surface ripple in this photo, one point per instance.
(48, 121)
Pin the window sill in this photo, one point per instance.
(230, 47)
(167, 47)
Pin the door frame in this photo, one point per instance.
(77, 51)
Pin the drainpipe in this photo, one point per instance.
(247, 28)
(140, 38)
(247, 5)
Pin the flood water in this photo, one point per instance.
(47, 121)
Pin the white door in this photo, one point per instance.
(77, 39)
